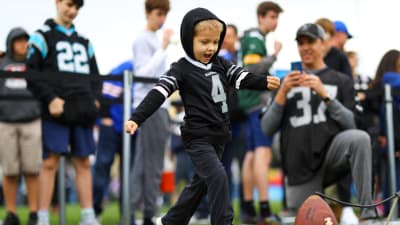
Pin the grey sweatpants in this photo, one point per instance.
(148, 164)
(349, 152)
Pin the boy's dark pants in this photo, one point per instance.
(209, 177)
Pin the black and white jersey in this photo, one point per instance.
(203, 90)
(307, 127)
(53, 48)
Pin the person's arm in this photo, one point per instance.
(342, 111)
(167, 85)
(341, 114)
(147, 63)
(266, 62)
(271, 120)
(242, 79)
(37, 52)
(96, 85)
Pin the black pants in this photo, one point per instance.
(209, 177)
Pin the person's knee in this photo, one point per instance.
(82, 163)
(360, 136)
(219, 175)
(50, 164)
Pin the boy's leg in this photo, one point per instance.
(106, 149)
(248, 213)
(154, 145)
(46, 181)
(187, 202)
(32, 184)
(10, 184)
(10, 164)
(209, 170)
(82, 145)
(31, 158)
(83, 181)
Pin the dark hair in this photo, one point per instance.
(150, 5)
(388, 63)
(233, 27)
(79, 3)
(264, 7)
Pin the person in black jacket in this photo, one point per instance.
(202, 78)
(20, 137)
(319, 143)
(69, 106)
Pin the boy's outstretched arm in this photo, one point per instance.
(273, 82)
(130, 127)
(153, 100)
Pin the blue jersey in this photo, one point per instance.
(113, 90)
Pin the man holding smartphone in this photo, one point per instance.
(319, 142)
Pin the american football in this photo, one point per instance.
(315, 211)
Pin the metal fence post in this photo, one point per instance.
(61, 191)
(390, 141)
(126, 150)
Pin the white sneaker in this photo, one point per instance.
(43, 223)
(94, 222)
(158, 221)
(348, 217)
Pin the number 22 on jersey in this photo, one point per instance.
(303, 104)
(72, 57)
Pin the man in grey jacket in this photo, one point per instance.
(20, 136)
(319, 142)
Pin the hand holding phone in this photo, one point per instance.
(296, 66)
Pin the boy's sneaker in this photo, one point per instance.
(43, 223)
(158, 221)
(148, 221)
(11, 219)
(248, 220)
(33, 218)
(272, 220)
(94, 222)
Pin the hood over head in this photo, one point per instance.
(189, 21)
(12, 35)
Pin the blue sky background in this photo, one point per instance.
(113, 25)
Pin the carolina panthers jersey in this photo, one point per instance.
(203, 91)
(307, 128)
(53, 48)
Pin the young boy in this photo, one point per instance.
(69, 106)
(202, 79)
(21, 145)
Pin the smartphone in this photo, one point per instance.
(296, 66)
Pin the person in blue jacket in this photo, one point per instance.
(110, 138)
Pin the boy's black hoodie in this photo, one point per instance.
(189, 21)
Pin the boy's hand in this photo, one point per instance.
(56, 107)
(130, 127)
(273, 82)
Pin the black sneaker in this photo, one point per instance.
(33, 218)
(148, 221)
(11, 219)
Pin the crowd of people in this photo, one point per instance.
(330, 119)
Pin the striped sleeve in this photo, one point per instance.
(242, 79)
(167, 85)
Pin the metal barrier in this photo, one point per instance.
(127, 78)
(390, 139)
